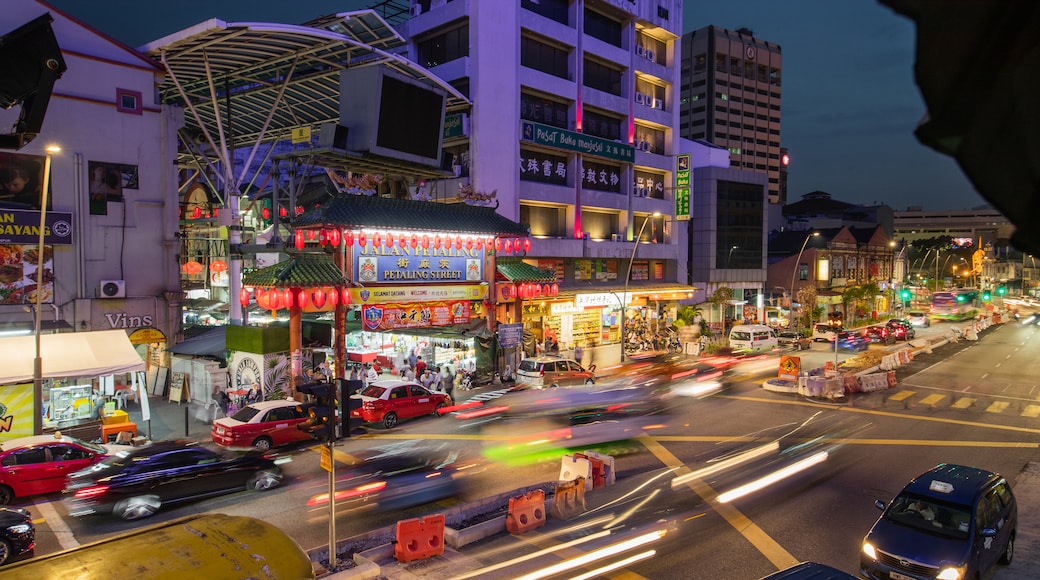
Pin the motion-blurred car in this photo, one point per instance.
(39, 464)
(792, 338)
(390, 400)
(135, 484)
(823, 332)
(17, 535)
(951, 522)
(391, 478)
(553, 371)
(918, 318)
(809, 571)
(901, 328)
(848, 340)
(878, 334)
(263, 425)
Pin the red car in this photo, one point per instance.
(391, 400)
(39, 464)
(263, 425)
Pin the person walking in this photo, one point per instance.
(448, 383)
(420, 365)
(371, 375)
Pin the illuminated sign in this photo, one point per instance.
(420, 315)
(682, 187)
(394, 264)
(417, 293)
(23, 227)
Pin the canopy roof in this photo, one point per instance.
(518, 271)
(299, 271)
(68, 355)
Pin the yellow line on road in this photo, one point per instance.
(769, 547)
(997, 407)
(1031, 411)
(901, 395)
(932, 399)
(963, 403)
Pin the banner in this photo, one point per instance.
(418, 315)
(16, 411)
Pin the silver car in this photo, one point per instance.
(553, 371)
(918, 318)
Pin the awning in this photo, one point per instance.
(68, 355)
(517, 271)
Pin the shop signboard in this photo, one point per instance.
(417, 293)
(419, 315)
(23, 227)
(682, 187)
(16, 411)
(510, 335)
(393, 263)
(577, 142)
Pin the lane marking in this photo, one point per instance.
(766, 545)
(1031, 411)
(66, 539)
(902, 395)
(963, 403)
(932, 399)
(997, 407)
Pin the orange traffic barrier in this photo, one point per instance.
(891, 378)
(598, 477)
(526, 512)
(419, 538)
(569, 499)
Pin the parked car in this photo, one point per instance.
(901, 328)
(390, 400)
(879, 334)
(848, 340)
(40, 463)
(263, 425)
(918, 318)
(823, 332)
(553, 371)
(952, 521)
(136, 484)
(17, 535)
(809, 571)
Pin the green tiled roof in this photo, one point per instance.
(299, 271)
(517, 271)
(358, 211)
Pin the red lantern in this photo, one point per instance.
(266, 213)
(555, 289)
(527, 245)
(437, 242)
(310, 235)
(197, 212)
(318, 296)
(425, 241)
(333, 295)
(512, 292)
(348, 237)
(344, 295)
(298, 238)
(402, 241)
(498, 244)
(302, 299)
(282, 212)
(480, 243)
(469, 243)
(377, 240)
(507, 247)
(192, 267)
(334, 237)
(216, 211)
(243, 297)
(218, 266)
(323, 237)
(415, 241)
(290, 296)
(458, 242)
(299, 209)
(361, 239)
(389, 239)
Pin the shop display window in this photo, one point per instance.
(69, 403)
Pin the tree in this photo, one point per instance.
(807, 298)
(852, 295)
(719, 298)
(870, 293)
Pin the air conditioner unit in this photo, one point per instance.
(417, 10)
(650, 55)
(112, 289)
(657, 104)
(640, 50)
(640, 98)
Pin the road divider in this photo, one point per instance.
(526, 512)
(419, 538)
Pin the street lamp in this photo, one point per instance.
(38, 361)
(730, 255)
(794, 272)
(628, 276)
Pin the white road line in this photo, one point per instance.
(57, 525)
(987, 374)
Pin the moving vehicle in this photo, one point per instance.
(17, 535)
(752, 337)
(952, 521)
(953, 305)
(553, 371)
(823, 332)
(879, 334)
(135, 484)
(792, 338)
(918, 318)
(197, 546)
(40, 463)
(848, 340)
(389, 400)
(263, 425)
(902, 328)
(809, 571)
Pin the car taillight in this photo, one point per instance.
(541, 373)
(89, 492)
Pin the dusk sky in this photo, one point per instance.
(849, 105)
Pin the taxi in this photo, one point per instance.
(263, 425)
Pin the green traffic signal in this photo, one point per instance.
(1001, 290)
(960, 298)
(985, 296)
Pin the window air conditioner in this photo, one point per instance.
(640, 99)
(640, 50)
(650, 55)
(657, 104)
(112, 289)
(417, 10)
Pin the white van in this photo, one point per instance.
(753, 337)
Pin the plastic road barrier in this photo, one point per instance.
(569, 500)
(419, 538)
(526, 512)
(572, 467)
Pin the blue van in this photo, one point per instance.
(951, 522)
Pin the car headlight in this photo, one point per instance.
(20, 528)
(950, 574)
(868, 549)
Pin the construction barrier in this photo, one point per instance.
(569, 499)
(608, 466)
(851, 384)
(597, 469)
(873, 382)
(891, 376)
(419, 538)
(572, 467)
(526, 512)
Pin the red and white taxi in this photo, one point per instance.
(39, 464)
(263, 425)
(390, 400)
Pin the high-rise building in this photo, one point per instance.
(730, 96)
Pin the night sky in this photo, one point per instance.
(850, 104)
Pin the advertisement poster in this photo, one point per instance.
(22, 275)
(418, 315)
(16, 409)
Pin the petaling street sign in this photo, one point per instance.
(577, 142)
(408, 265)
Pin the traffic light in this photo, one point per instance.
(1001, 290)
(905, 294)
(985, 296)
(961, 298)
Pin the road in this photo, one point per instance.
(970, 402)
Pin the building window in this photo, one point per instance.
(601, 176)
(544, 221)
(649, 185)
(739, 214)
(552, 9)
(446, 47)
(543, 57)
(543, 167)
(720, 63)
(599, 26)
(601, 125)
(602, 77)
(128, 101)
(542, 110)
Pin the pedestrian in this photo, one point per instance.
(371, 375)
(409, 373)
(578, 352)
(420, 365)
(413, 360)
(448, 382)
(435, 379)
